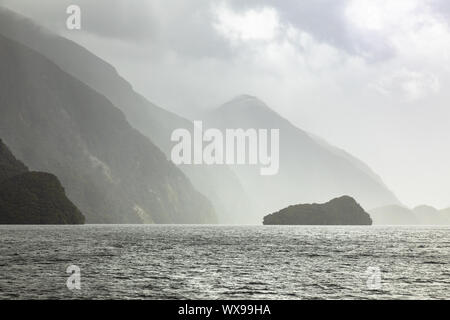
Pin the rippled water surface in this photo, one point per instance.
(225, 262)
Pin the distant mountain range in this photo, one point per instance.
(393, 215)
(399, 215)
(340, 211)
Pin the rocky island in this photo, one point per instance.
(340, 211)
(32, 197)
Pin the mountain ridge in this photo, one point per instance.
(219, 184)
(58, 124)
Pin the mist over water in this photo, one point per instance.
(224, 262)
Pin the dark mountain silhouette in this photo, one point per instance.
(57, 124)
(9, 165)
(310, 169)
(32, 197)
(340, 211)
(218, 183)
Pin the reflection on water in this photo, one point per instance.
(225, 262)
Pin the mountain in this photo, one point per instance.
(340, 211)
(32, 197)
(393, 215)
(445, 213)
(9, 165)
(399, 215)
(310, 170)
(36, 198)
(55, 123)
(428, 215)
(218, 183)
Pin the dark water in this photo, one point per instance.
(225, 262)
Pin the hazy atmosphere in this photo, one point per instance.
(368, 78)
(224, 150)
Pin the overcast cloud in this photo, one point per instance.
(371, 77)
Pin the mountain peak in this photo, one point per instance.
(245, 99)
(425, 209)
(248, 105)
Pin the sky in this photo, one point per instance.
(371, 77)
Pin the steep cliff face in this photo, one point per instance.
(32, 197)
(57, 124)
(340, 211)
